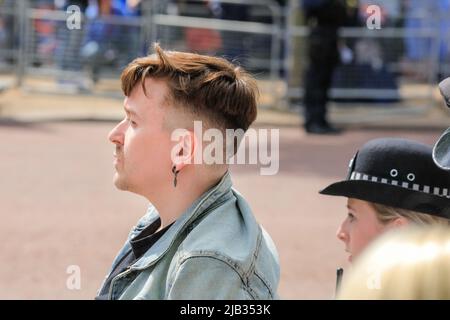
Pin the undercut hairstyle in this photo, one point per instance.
(212, 89)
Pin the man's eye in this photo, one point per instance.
(351, 217)
(133, 123)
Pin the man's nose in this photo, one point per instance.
(116, 135)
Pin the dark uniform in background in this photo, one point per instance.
(324, 17)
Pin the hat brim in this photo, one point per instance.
(390, 195)
(441, 151)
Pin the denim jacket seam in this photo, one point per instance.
(213, 255)
(255, 257)
(244, 276)
(266, 283)
(250, 291)
(255, 253)
(244, 282)
(219, 202)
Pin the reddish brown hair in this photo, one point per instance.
(208, 87)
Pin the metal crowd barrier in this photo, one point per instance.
(53, 51)
(268, 43)
(81, 57)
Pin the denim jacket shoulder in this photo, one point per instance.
(215, 250)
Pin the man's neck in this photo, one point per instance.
(174, 201)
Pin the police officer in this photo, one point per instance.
(323, 17)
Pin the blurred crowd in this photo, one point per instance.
(411, 14)
(100, 43)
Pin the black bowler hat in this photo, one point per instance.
(397, 173)
(441, 151)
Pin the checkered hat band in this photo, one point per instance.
(441, 192)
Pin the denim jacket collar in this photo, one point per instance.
(199, 207)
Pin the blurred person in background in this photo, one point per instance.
(104, 45)
(199, 238)
(69, 42)
(391, 183)
(235, 47)
(411, 264)
(8, 39)
(323, 17)
(132, 48)
(44, 42)
(426, 15)
(198, 40)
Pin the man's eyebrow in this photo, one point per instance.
(350, 207)
(128, 110)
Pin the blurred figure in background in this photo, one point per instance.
(104, 44)
(45, 41)
(235, 48)
(420, 50)
(7, 37)
(412, 264)
(69, 42)
(323, 17)
(199, 40)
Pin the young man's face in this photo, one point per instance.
(143, 144)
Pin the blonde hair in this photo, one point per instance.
(409, 264)
(385, 214)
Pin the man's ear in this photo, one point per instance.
(183, 151)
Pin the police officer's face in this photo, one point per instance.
(360, 227)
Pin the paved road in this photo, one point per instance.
(59, 207)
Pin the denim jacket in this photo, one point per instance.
(215, 250)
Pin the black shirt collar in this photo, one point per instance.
(147, 238)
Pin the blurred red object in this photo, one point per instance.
(203, 40)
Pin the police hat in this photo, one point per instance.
(441, 151)
(397, 173)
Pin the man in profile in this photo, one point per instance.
(199, 238)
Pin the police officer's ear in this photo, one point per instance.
(398, 223)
